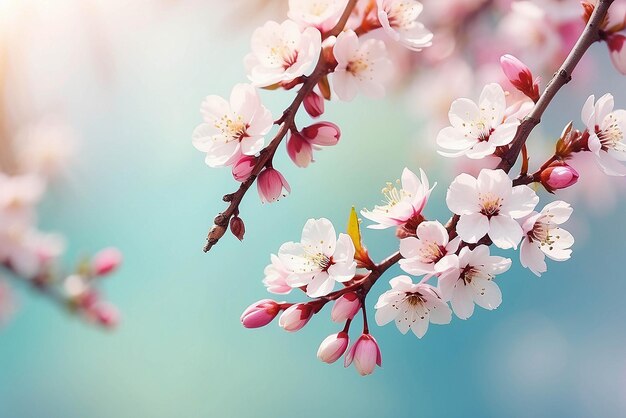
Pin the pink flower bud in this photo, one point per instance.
(558, 175)
(237, 227)
(295, 317)
(314, 104)
(299, 149)
(322, 133)
(106, 261)
(260, 313)
(365, 354)
(243, 168)
(333, 347)
(270, 185)
(520, 76)
(106, 314)
(617, 51)
(345, 307)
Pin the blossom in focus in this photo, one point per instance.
(399, 20)
(478, 128)
(232, 128)
(401, 205)
(558, 175)
(295, 317)
(365, 354)
(320, 14)
(361, 67)
(345, 307)
(276, 277)
(333, 347)
(543, 237)
(300, 145)
(270, 185)
(607, 128)
(281, 52)
(430, 252)
(520, 76)
(472, 281)
(412, 306)
(320, 259)
(260, 313)
(489, 205)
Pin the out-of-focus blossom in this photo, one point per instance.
(320, 258)
(233, 128)
(543, 237)
(361, 67)
(472, 282)
(412, 306)
(489, 205)
(617, 52)
(333, 347)
(45, 148)
(320, 14)
(270, 185)
(281, 52)
(18, 197)
(399, 20)
(106, 261)
(430, 252)
(365, 354)
(7, 302)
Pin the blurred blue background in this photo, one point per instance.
(555, 347)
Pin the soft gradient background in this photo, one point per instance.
(130, 76)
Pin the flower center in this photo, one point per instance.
(357, 66)
(232, 127)
(414, 299)
(392, 196)
(611, 136)
(470, 273)
(401, 14)
(282, 55)
(320, 260)
(490, 204)
(431, 252)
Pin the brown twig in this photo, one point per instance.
(286, 122)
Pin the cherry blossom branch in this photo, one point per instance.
(590, 35)
(286, 123)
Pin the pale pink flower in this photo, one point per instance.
(401, 205)
(320, 14)
(29, 251)
(106, 261)
(323, 134)
(295, 317)
(365, 354)
(543, 237)
(607, 128)
(472, 282)
(399, 20)
(270, 185)
(478, 128)
(299, 150)
(281, 52)
(361, 67)
(18, 197)
(333, 347)
(320, 259)
(489, 206)
(232, 128)
(314, 104)
(617, 51)
(412, 306)
(260, 313)
(105, 314)
(7, 302)
(276, 277)
(430, 252)
(243, 168)
(345, 307)
(520, 76)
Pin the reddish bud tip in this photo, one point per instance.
(237, 227)
(314, 104)
(295, 317)
(243, 168)
(322, 133)
(260, 314)
(345, 307)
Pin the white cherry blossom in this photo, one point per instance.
(478, 128)
(401, 205)
(320, 258)
(607, 128)
(489, 205)
(430, 252)
(399, 20)
(321, 14)
(472, 281)
(361, 66)
(413, 306)
(276, 277)
(232, 128)
(543, 237)
(281, 52)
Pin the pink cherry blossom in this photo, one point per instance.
(489, 205)
(320, 14)
(314, 104)
(472, 281)
(607, 130)
(543, 237)
(478, 128)
(617, 51)
(232, 128)
(106, 261)
(401, 205)
(299, 150)
(242, 169)
(399, 20)
(281, 52)
(412, 306)
(260, 313)
(345, 307)
(295, 317)
(270, 185)
(365, 354)
(323, 134)
(361, 67)
(333, 347)
(276, 277)
(558, 176)
(320, 259)
(430, 252)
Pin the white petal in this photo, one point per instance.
(504, 232)
(487, 294)
(472, 227)
(462, 195)
(321, 285)
(532, 257)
